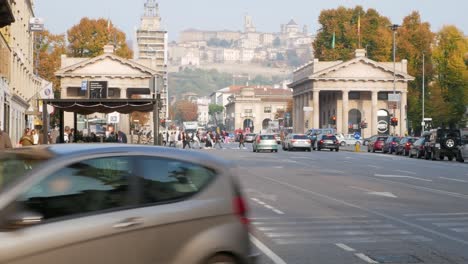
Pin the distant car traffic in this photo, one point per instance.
(250, 137)
(327, 142)
(265, 142)
(376, 143)
(391, 144)
(92, 203)
(296, 141)
(348, 139)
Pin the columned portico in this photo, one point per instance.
(345, 111)
(316, 120)
(374, 112)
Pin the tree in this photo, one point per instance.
(142, 117)
(185, 110)
(343, 22)
(214, 110)
(87, 39)
(451, 75)
(415, 39)
(51, 48)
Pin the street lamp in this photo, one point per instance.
(394, 28)
(423, 123)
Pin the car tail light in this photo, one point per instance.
(393, 143)
(337, 142)
(321, 141)
(408, 144)
(308, 141)
(240, 209)
(258, 140)
(293, 140)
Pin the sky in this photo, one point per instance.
(267, 15)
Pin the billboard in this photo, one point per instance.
(97, 89)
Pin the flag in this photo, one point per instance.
(359, 25)
(333, 40)
(108, 26)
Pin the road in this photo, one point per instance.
(346, 207)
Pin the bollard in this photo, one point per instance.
(357, 147)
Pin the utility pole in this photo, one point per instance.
(423, 123)
(394, 28)
(156, 98)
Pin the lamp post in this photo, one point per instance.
(423, 123)
(394, 28)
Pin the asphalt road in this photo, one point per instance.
(346, 207)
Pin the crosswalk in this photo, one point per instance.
(354, 229)
(456, 222)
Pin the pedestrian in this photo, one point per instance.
(185, 140)
(27, 138)
(218, 140)
(54, 134)
(5, 141)
(71, 136)
(241, 140)
(121, 137)
(196, 140)
(208, 141)
(35, 136)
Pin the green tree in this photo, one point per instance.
(214, 110)
(415, 39)
(343, 22)
(87, 38)
(451, 76)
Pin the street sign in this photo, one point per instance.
(84, 85)
(113, 118)
(393, 97)
(382, 126)
(308, 109)
(98, 89)
(36, 24)
(357, 135)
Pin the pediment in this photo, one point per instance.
(360, 69)
(107, 65)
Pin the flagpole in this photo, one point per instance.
(359, 30)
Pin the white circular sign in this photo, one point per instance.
(382, 126)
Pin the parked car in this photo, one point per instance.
(348, 139)
(265, 142)
(376, 143)
(57, 200)
(391, 144)
(404, 146)
(366, 141)
(417, 148)
(297, 141)
(314, 132)
(443, 143)
(327, 142)
(250, 137)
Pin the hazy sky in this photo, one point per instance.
(267, 15)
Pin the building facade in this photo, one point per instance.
(355, 93)
(151, 48)
(252, 108)
(203, 105)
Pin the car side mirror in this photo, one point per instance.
(22, 218)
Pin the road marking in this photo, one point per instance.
(345, 247)
(317, 222)
(396, 219)
(450, 224)
(453, 194)
(409, 172)
(332, 171)
(436, 214)
(365, 258)
(267, 206)
(450, 179)
(385, 194)
(290, 161)
(338, 233)
(278, 167)
(309, 217)
(332, 227)
(443, 219)
(400, 176)
(366, 239)
(268, 252)
(460, 230)
(278, 211)
(373, 166)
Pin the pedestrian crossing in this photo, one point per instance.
(332, 230)
(456, 222)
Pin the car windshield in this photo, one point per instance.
(381, 139)
(329, 137)
(265, 137)
(300, 137)
(14, 166)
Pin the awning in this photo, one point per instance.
(106, 106)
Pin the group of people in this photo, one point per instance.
(199, 140)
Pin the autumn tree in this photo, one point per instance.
(51, 47)
(88, 38)
(415, 39)
(343, 23)
(185, 110)
(451, 82)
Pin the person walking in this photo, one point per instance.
(196, 140)
(241, 140)
(5, 141)
(27, 138)
(218, 140)
(209, 140)
(172, 140)
(121, 137)
(35, 136)
(185, 140)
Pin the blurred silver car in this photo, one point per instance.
(250, 137)
(297, 141)
(265, 142)
(119, 204)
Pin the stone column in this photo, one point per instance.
(316, 121)
(402, 121)
(296, 113)
(345, 112)
(373, 121)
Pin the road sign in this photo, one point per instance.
(36, 24)
(113, 118)
(394, 97)
(357, 135)
(382, 126)
(84, 85)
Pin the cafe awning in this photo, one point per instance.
(106, 106)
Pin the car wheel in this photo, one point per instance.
(337, 149)
(318, 148)
(426, 155)
(222, 259)
(343, 143)
(450, 143)
(373, 150)
(368, 149)
(450, 157)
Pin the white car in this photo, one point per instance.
(348, 139)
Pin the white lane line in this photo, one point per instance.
(460, 230)
(345, 247)
(450, 179)
(278, 211)
(338, 233)
(385, 194)
(436, 214)
(365, 258)
(345, 217)
(332, 171)
(365, 239)
(443, 219)
(268, 252)
(409, 172)
(453, 194)
(451, 224)
(267, 206)
(278, 167)
(400, 176)
(360, 189)
(370, 211)
(373, 166)
(333, 227)
(316, 222)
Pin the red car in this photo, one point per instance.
(404, 147)
(376, 143)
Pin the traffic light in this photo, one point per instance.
(333, 120)
(394, 121)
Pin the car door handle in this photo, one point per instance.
(129, 222)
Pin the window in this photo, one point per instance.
(267, 109)
(75, 91)
(266, 137)
(300, 137)
(164, 180)
(113, 93)
(382, 96)
(354, 95)
(84, 187)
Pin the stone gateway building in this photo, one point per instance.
(351, 96)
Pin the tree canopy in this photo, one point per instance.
(88, 38)
(185, 110)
